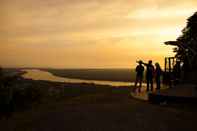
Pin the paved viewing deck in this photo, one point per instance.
(178, 94)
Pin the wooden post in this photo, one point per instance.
(169, 65)
(170, 73)
(165, 64)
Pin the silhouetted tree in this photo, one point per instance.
(187, 43)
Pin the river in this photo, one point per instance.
(36, 74)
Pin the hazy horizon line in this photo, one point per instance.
(68, 68)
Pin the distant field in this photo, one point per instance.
(125, 75)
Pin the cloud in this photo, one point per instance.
(86, 26)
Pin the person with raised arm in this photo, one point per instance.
(149, 74)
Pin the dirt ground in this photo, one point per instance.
(101, 112)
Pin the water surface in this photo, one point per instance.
(36, 74)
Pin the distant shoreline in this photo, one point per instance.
(118, 75)
(36, 74)
(108, 74)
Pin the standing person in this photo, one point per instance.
(158, 73)
(139, 75)
(149, 74)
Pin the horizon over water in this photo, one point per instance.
(60, 68)
(36, 74)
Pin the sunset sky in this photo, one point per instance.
(89, 33)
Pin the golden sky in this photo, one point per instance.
(89, 33)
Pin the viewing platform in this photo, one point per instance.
(179, 94)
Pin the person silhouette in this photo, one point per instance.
(158, 73)
(149, 74)
(139, 75)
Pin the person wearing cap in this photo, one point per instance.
(139, 75)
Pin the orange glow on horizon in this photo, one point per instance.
(89, 34)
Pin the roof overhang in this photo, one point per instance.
(174, 43)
